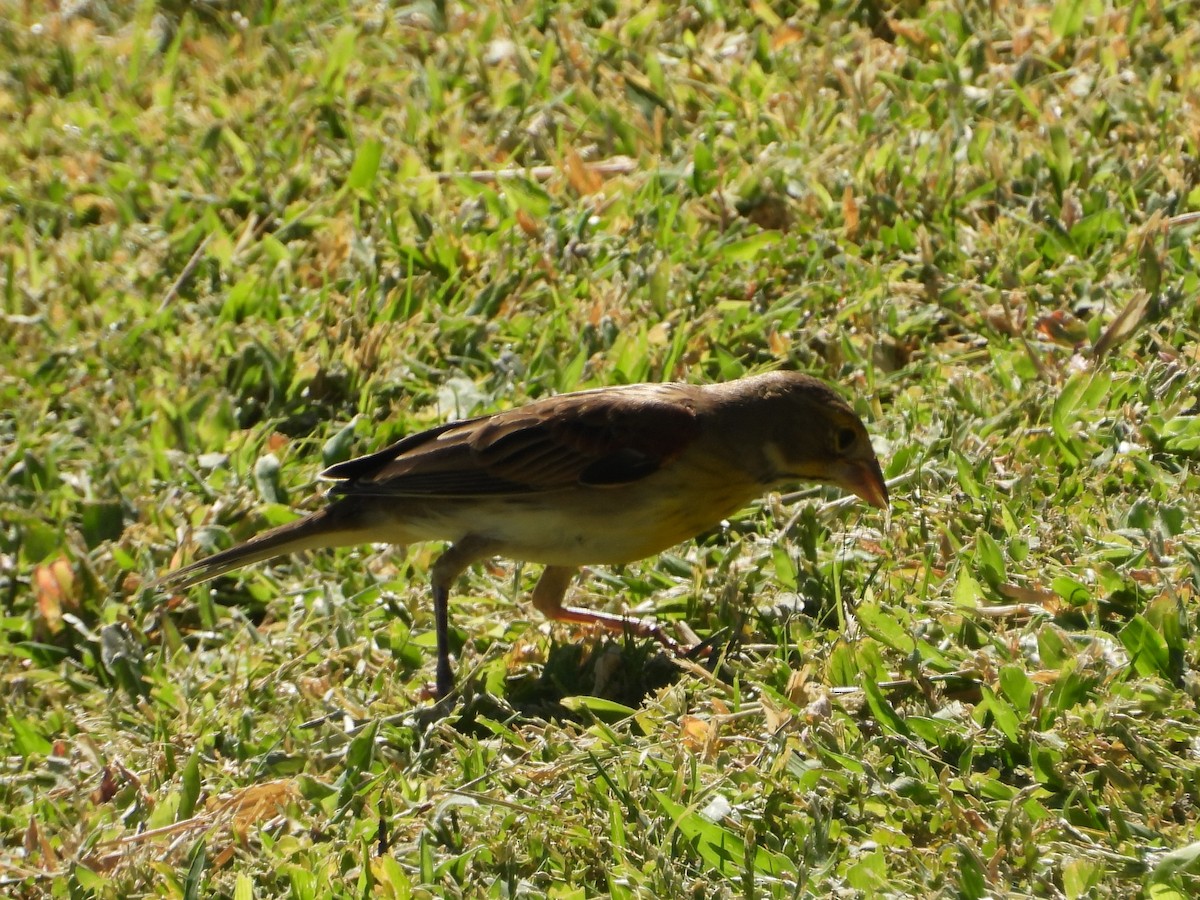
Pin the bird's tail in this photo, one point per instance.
(321, 529)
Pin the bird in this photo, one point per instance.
(595, 477)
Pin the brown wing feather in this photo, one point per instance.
(372, 464)
(605, 437)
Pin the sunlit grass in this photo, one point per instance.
(236, 247)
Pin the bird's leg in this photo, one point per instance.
(441, 622)
(448, 567)
(548, 596)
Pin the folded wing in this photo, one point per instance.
(593, 438)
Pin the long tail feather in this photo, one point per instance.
(317, 530)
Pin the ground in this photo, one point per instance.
(242, 242)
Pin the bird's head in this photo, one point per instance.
(811, 434)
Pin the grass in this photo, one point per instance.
(237, 247)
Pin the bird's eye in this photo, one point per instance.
(844, 439)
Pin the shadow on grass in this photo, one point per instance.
(622, 673)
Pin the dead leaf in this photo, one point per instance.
(995, 873)
(583, 179)
(776, 718)
(32, 837)
(528, 225)
(785, 35)
(57, 590)
(911, 33)
(976, 820)
(797, 686)
(694, 732)
(1063, 327)
(1034, 596)
(108, 787)
(1124, 325)
(254, 804)
(1022, 41)
(850, 212)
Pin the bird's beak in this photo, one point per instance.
(865, 478)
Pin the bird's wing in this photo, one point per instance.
(599, 438)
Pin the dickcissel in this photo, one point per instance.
(602, 476)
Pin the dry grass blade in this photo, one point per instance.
(1123, 326)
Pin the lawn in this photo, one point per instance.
(239, 246)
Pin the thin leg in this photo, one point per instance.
(548, 596)
(441, 621)
(447, 568)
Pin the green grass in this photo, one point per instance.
(234, 249)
